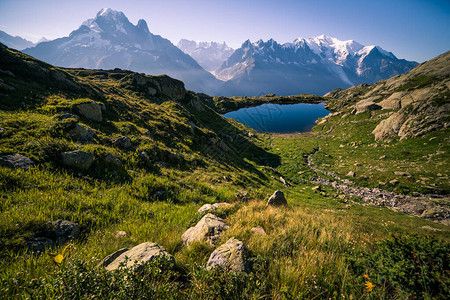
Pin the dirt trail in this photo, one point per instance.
(431, 208)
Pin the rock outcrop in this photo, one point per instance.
(207, 229)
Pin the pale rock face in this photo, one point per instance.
(389, 126)
(212, 207)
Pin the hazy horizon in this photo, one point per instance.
(413, 30)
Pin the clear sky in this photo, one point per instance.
(412, 29)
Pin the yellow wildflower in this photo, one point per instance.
(59, 257)
(369, 286)
(366, 276)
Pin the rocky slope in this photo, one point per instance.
(315, 65)
(413, 103)
(110, 41)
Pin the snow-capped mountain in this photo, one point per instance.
(315, 65)
(209, 55)
(15, 42)
(110, 41)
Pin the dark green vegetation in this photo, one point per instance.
(320, 246)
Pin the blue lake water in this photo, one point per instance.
(276, 118)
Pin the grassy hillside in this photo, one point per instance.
(183, 154)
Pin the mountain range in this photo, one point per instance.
(314, 65)
(111, 41)
(210, 55)
(15, 42)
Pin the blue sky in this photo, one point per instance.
(412, 29)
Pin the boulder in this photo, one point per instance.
(64, 230)
(16, 161)
(90, 110)
(123, 142)
(110, 258)
(82, 134)
(212, 207)
(135, 256)
(231, 256)
(277, 199)
(207, 229)
(393, 101)
(77, 159)
(110, 159)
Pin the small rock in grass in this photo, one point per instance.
(16, 161)
(258, 230)
(351, 174)
(212, 207)
(120, 234)
(277, 199)
(123, 142)
(64, 230)
(77, 159)
(394, 182)
(39, 244)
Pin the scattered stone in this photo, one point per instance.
(283, 181)
(316, 188)
(64, 230)
(402, 174)
(135, 256)
(143, 154)
(394, 182)
(16, 161)
(82, 134)
(90, 110)
(207, 229)
(383, 157)
(365, 106)
(341, 146)
(112, 160)
(242, 196)
(120, 234)
(258, 230)
(231, 256)
(427, 227)
(357, 164)
(2, 131)
(77, 159)
(39, 244)
(212, 207)
(123, 142)
(277, 199)
(351, 174)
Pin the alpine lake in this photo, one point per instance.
(280, 118)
